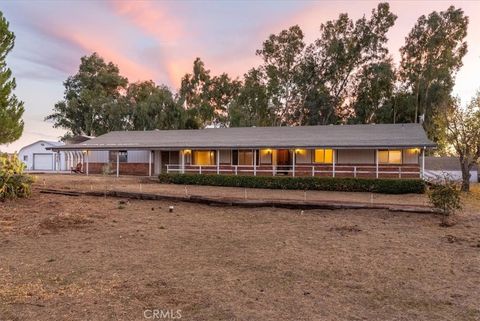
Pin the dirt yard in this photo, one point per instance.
(94, 258)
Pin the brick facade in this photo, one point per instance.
(139, 169)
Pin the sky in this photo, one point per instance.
(159, 40)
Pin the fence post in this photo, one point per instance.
(254, 162)
(399, 172)
(236, 169)
(200, 169)
(355, 171)
(376, 162)
(313, 171)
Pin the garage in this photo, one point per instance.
(43, 162)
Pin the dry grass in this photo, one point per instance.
(86, 258)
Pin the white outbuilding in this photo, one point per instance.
(439, 167)
(37, 158)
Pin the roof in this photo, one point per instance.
(48, 142)
(444, 164)
(77, 139)
(333, 136)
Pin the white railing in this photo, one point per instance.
(298, 170)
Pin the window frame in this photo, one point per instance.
(314, 156)
(388, 156)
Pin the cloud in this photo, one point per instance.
(153, 19)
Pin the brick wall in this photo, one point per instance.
(140, 169)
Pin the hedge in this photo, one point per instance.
(386, 186)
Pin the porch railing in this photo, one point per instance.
(300, 170)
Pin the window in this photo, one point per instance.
(25, 158)
(266, 156)
(122, 156)
(245, 157)
(324, 156)
(203, 157)
(303, 156)
(390, 156)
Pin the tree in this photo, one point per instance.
(345, 51)
(153, 107)
(92, 103)
(251, 106)
(206, 98)
(11, 108)
(463, 133)
(373, 101)
(282, 56)
(431, 56)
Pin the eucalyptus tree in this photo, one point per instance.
(431, 57)
(93, 99)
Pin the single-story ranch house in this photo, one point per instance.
(377, 151)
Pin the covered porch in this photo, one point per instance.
(321, 162)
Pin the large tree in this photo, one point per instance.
(11, 108)
(463, 134)
(251, 107)
(343, 59)
(431, 56)
(92, 103)
(153, 107)
(282, 56)
(206, 98)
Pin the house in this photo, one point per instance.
(378, 151)
(438, 167)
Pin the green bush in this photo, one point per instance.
(13, 182)
(445, 196)
(387, 186)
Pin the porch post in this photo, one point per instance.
(150, 163)
(254, 162)
(86, 157)
(376, 163)
(118, 162)
(182, 154)
(333, 162)
(218, 161)
(293, 162)
(422, 173)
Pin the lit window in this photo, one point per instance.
(266, 156)
(204, 157)
(324, 156)
(390, 156)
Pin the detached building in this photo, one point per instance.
(376, 151)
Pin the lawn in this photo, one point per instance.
(93, 258)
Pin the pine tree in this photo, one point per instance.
(11, 109)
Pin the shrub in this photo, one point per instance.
(445, 196)
(388, 186)
(14, 182)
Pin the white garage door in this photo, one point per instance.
(43, 162)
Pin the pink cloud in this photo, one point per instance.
(151, 18)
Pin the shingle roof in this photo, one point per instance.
(336, 136)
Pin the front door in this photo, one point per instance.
(283, 161)
(165, 160)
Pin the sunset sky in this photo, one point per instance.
(159, 41)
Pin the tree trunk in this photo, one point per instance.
(465, 175)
